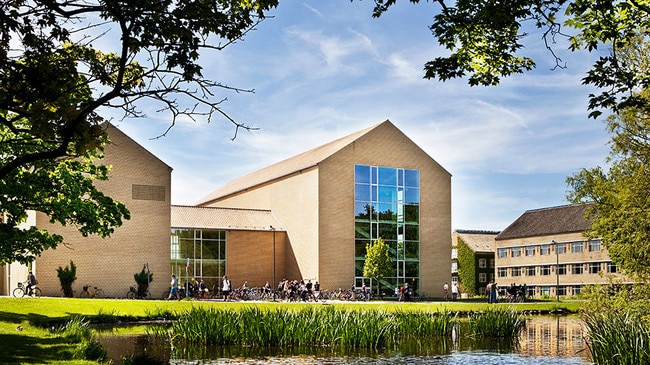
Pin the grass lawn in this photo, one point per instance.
(24, 322)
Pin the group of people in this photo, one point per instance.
(192, 288)
(298, 290)
(454, 291)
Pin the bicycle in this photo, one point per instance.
(91, 292)
(133, 294)
(21, 291)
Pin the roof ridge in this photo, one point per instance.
(288, 166)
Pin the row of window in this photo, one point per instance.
(545, 249)
(532, 291)
(562, 269)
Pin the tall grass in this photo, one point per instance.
(497, 323)
(617, 338)
(313, 326)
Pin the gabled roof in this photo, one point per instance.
(548, 221)
(223, 218)
(478, 241)
(303, 161)
(112, 130)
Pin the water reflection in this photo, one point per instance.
(546, 340)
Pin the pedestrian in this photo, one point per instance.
(364, 292)
(173, 288)
(493, 292)
(445, 290)
(225, 288)
(454, 292)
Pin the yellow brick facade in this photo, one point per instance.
(142, 182)
(536, 258)
(316, 208)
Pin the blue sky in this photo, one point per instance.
(324, 69)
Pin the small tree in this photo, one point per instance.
(143, 278)
(378, 263)
(67, 276)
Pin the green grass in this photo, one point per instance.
(36, 344)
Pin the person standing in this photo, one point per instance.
(454, 292)
(225, 288)
(173, 288)
(493, 293)
(445, 290)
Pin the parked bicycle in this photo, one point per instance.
(22, 290)
(91, 292)
(134, 294)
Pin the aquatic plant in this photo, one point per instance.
(314, 326)
(496, 322)
(617, 339)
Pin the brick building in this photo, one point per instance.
(324, 206)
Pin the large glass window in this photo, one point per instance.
(197, 253)
(387, 206)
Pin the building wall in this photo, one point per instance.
(294, 200)
(142, 182)
(384, 146)
(249, 256)
(569, 280)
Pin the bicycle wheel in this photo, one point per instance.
(19, 293)
(130, 295)
(36, 292)
(83, 294)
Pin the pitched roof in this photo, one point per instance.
(548, 221)
(286, 167)
(223, 218)
(478, 241)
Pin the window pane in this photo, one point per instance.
(412, 269)
(362, 230)
(387, 176)
(388, 231)
(211, 234)
(360, 249)
(362, 192)
(412, 213)
(387, 194)
(362, 174)
(358, 267)
(387, 212)
(412, 232)
(412, 250)
(210, 250)
(412, 196)
(362, 210)
(412, 178)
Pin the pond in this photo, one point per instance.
(545, 340)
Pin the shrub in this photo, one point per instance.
(143, 278)
(67, 276)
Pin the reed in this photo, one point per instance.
(617, 338)
(308, 326)
(495, 323)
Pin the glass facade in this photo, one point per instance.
(387, 205)
(204, 249)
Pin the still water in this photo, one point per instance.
(545, 340)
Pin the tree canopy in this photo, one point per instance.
(485, 40)
(64, 65)
(621, 192)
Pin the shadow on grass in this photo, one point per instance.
(20, 349)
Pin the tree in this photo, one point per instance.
(378, 263)
(56, 87)
(485, 41)
(621, 211)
